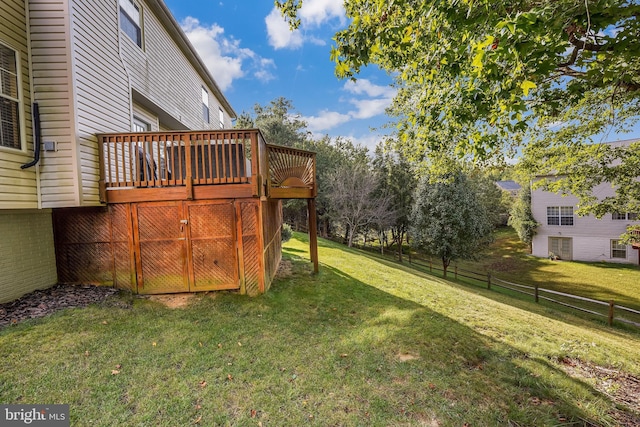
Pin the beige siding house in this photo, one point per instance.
(565, 235)
(91, 66)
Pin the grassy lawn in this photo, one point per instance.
(507, 258)
(365, 342)
(601, 280)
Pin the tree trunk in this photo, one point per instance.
(400, 247)
(445, 264)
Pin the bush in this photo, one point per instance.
(286, 232)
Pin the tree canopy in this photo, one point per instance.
(479, 77)
(482, 70)
(448, 219)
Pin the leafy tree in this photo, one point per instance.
(448, 220)
(331, 155)
(476, 77)
(281, 125)
(489, 195)
(397, 180)
(278, 123)
(521, 218)
(353, 202)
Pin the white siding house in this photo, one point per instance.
(564, 234)
(92, 66)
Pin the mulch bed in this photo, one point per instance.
(621, 387)
(44, 302)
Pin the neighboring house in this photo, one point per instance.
(564, 234)
(511, 187)
(118, 210)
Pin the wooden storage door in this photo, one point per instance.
(160, 239)
(212, 245)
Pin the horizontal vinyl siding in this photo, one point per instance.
(591, 236)
(53, 91)
(162, 74)
(101, 84)
(18, 188)
(27, 255)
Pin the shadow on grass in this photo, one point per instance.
(452, 374)
(512, 298)
(321, 350)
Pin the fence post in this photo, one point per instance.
(456, 271)
(536, 292)
(489, 281)
(611, 305)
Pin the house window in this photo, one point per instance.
(9, 99)
(559, 215)
(618, 249)
(623, 216)
(221, 117)
(130, 20)
(553, 215)
(140, 125)
(566, 215)
(205, 105)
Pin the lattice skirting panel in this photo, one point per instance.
(166, 247)
(92, 246)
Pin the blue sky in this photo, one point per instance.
(255, 58)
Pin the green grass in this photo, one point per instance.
(508, 258)
(322, 350)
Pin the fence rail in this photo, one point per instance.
(612, 312)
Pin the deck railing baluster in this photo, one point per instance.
(190, 158)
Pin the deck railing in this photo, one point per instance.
(192, 158)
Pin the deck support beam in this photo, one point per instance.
(313, 233)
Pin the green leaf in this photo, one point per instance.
(526, 86)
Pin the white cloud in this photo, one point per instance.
(318, 12)
(313, 14)
(373, 101)
(325, 120)
(369, 140)
(279, 33)
(379, 98)
(367, 108)
(223, 56)
(364, 86)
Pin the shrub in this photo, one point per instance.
(286, 232)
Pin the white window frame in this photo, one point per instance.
(221, 117)
(140, 125)
(205, 106)
(20, 101)
(616, 246)
(560, 216)
(617, 216)
(133, 11)
(560, 241)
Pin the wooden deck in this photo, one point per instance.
(186, 211)
(201, 165)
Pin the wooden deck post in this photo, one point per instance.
(102, 186)
(313, 233)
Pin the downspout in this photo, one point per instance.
(37, 137)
